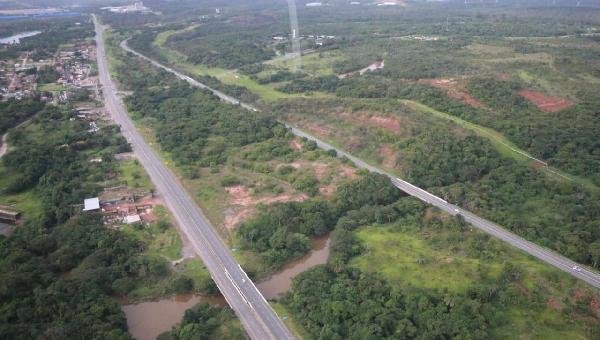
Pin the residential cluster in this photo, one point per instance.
(123, 205)
(71, 68)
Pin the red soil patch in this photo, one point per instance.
(578, 295)
(453, 89)
(504, 76)
(595, 305)
(387, 123)
(320, 169)
(295, 144)
(318, 129)
(149, 217)
(328, 190)
(389, 156)
(348, 172)
(243, 204)
(553, 304)
(544, 102)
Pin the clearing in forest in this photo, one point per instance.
(544, 102)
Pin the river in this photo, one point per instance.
(281, 282)
(16, 38)
(147, 320)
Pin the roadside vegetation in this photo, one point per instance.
(238, 165)
(458, 100)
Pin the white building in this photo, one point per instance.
(91, 204)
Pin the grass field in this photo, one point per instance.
(51, 87)
(439, 260)
(407, 259)
(315, 64)
(27, 202)
(131, 172)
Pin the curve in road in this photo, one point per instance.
(257, 316)
(549, 256)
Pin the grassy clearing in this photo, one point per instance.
(158, 243)
(26, 202)
(316, 64)
(441, 259)
(407, 259)
(51, 87)
(131, 172)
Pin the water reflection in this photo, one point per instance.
(281, 282)
(147, 320)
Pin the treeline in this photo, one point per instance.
(282, 232)
(223, 45)
(14, 112)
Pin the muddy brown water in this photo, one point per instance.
(281, 282)
(147, 320)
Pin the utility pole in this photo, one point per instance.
(296, 48)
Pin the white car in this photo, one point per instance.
(577, 268)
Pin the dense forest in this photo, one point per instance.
(36, 300)
(205, 322)
(13, 112)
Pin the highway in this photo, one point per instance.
(257, 316)
(549, 256)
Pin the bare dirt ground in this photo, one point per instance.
(389, 156)
(454, 89)
(295, 144)
(387, 123)
(348, 172)
(319, 130)
(544, 102)
(553, 304)
(243, 204)
(378, 65)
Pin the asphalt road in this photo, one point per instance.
(257, 316)
(549, 256)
